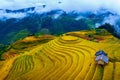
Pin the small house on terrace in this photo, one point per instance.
(101, 58)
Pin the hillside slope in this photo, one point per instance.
(68, 57)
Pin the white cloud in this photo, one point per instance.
(18, 4)
(11, 15)
(111, 19)
(66, 5)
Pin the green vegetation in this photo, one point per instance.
(3, 49)
(13, 36)
(12, 29)
(42, 32)
(110, 28)
(101, 32)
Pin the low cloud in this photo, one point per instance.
(4, 15)
(111, 19)
(66, 5)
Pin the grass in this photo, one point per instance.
(5, 69)
(117, 71)
(108, 72)
(91, 72)
(98, 73)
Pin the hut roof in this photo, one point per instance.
(103, 58)
(100, 52)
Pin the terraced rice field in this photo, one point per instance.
(64, 58)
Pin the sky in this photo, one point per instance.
(66, 5)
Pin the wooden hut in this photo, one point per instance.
(101, 58)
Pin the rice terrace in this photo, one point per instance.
(67, 57)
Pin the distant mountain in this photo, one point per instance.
(23, 10)
(20, 10)
(53, 22)
(102, 12)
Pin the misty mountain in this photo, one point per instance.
(23, 10)
(20, 10)
(53, 22)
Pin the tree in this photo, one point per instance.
(110, 28)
